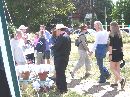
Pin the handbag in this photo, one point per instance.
(122, 64)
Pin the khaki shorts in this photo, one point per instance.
(39, 58)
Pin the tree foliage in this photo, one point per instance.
(99, 9)
(32, 13)
(85, 6)
(121, 11)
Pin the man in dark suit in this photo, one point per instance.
(61, 48)
(4, 87)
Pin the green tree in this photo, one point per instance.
(121, 11)
(99, 9)
(32, 13)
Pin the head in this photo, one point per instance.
(12, 35)
(41, 33)
(23, 28)
(18, 34)
(83, 27)
(42, 27)
(98, 26)
(60, 29)
(114, 29)
(36, 35)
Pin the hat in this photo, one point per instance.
(83, 25)
(18, 30)
(59, 26)
(23, 27)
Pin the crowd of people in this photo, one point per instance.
(57, 46)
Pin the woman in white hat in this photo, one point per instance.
(17, 46)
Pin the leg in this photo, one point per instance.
(60, 73)
(101, 68)
(44, 57)
(38, 59)
(87, 64)
(80, 61)
(115, 70)
(48, 56)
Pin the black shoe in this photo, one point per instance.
(72, 75)
(63, 91)
(122, 83)
(113, 85)
(87, 74)
(108, 76)
(101, 81)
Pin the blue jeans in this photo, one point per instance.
(103, 71)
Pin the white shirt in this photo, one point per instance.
(101, 37)
(18, 50)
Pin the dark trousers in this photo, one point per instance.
(4, 87)
(60, 67)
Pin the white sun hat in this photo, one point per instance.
(22, 27)
(59, 26)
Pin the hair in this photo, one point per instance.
(63, 29)
(99, 24)
(18, 32)
(12, 35)
(82, 26)
(42, 25)
(115, 31)
(37, 33)
(54, 32)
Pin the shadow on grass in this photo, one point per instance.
(112, 93)
(73, 83)
(96, 88)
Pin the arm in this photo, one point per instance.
(95, 43)
(58, 43)
(110, 49)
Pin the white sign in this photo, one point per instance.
(88, 16)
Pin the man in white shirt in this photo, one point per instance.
(100, 48)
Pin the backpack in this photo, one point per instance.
(77, 41)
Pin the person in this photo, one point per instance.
(18, 48)
(116, 53)
(40, 49)
(4, 87)
(36, 38)
(61, 48)
(47, 36)
(53, 41)
(83, 52)
(24, 32)
(100, 48)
